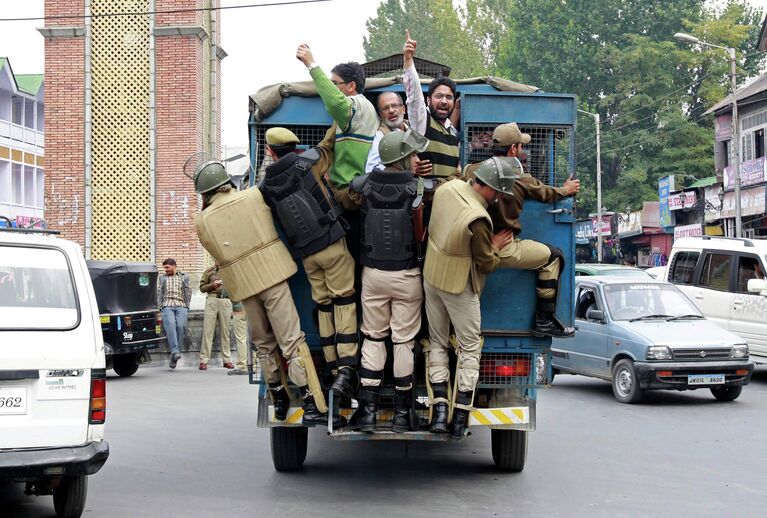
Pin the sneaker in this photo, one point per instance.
(174, 358)
(237, 372)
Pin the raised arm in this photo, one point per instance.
(416, 105)
(336, 103)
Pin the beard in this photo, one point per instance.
(396, 124)
(440, 116)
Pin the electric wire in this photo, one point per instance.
(162, 11)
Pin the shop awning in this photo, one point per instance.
(703, 182)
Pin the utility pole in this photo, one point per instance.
(599, 184)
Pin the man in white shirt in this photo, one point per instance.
(391, 110)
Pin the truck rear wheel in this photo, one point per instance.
(509, 449)
(289, 447)
(125, 364)
(69, 497)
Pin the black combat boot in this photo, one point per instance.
(439, 411)
(346, 383)
(547, 324)
(364, 417)
(403, 419)
(281, 401)
(460, 425)
(313, 416)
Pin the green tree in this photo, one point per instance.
(439, 29)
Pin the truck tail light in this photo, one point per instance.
(506, 368)
(98, 403)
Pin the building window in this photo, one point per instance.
(5, 182)
(759, 143)
(725, 147)
(5, 105)
(17, 194)
(40, 117)
(748, 147)
(29, 113)
(17, 108)
(29, 187)
(40, 187)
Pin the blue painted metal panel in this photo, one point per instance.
(500, 107)
(300, 110)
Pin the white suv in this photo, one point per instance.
(725, 278)
(52, 370)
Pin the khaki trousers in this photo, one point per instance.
(274, 323)
(241, 338)
(526, 254)
(331, 276)
(462, 310)
(216, 311)
(391, 301)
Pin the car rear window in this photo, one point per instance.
(36, 289)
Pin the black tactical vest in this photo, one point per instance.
(309, 220)
(388, 238)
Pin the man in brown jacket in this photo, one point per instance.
(525, 254)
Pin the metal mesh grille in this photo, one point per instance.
(497, 370)
(309, 136)
(702, 354)
(548, 153)
(120, 132)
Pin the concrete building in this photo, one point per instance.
(133, 91)
(22, 177)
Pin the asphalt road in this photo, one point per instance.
(185, 443)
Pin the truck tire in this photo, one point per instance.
(509, 449)
(125, 364)
(625, 382)
(727, 393)
(69, 497)
(289, 447)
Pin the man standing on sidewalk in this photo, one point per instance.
(173, 296)
(218, 309)
(240, 323)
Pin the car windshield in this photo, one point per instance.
(647, 301)
(36, 290)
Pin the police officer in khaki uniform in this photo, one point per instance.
(525, 254)
(392, 293)
(240, 327)
(237, 229)
(304, 206)
(461, 251)
(218, 310)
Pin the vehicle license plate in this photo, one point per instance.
(705, 379)
(13, 400)
(157, 329)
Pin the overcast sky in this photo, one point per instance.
(261, 43)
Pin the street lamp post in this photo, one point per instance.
(599, 185)
(731, 57)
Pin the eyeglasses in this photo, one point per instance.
(446, 97)
(338, 82)
(393, 106)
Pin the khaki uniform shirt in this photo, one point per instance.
(208, 283)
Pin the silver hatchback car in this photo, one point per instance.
(644, 334)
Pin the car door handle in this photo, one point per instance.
(699, 296)
(738, 302)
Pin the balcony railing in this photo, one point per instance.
(22, 134)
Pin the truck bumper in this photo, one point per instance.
(53, 462)
(656, 375)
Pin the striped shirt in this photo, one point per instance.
(174, 294)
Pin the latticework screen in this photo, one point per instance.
(120, 131)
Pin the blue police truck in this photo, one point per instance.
(514, 364)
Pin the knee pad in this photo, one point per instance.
(556, 253)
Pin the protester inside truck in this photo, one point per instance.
(391, 110)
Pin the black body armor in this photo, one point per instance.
(311, 223)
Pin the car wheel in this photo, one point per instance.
(125, 364)
(69, 497)
(509, 449)
(727, 393)
(626, 382)
(289, 447)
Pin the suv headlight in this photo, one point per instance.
(739, 351)
(658, 352)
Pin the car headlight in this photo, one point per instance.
(739, 351)
(658, 352)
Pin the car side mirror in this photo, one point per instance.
(757, 286)
(595, 314)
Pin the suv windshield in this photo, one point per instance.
(647, 301)
(36, 290)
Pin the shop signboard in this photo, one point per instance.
(682, 200)
(630, 224)
(696, 229)
(583, 232)
(606, 225)
(665, 186)
(752, 202)
(752, 172)
(712, 210)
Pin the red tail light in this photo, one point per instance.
(159, 319)
(128, 321)
(506, 368)
(98, 405)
